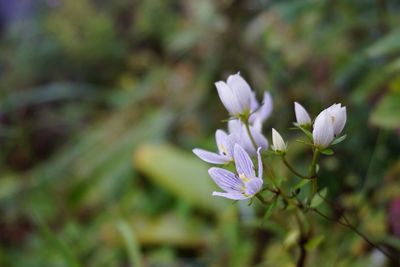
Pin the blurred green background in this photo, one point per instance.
(102, 101)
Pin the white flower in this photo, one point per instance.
(302, 116)
(323, 133)
(278, 145)
(337, 116)
(235, 94)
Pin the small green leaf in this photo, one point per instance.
(131, 244)
(327, 151)
(314, 242)
(338, 140)
(304, 142)
(318, 198)
(306, 132)
(387, 112)
(270, 210)
(300, 184)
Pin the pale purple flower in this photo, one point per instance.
(302, 117)
(240, 136)
(260, 113)
(225, 145)
(235, 94)
(323, 133)
(242, 185)
(337, 115)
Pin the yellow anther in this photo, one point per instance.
(243, 177)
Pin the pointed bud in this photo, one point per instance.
(302, 116)
(278, 145)
(337, 115)
(323, 133)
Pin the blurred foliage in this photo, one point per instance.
(87, 85)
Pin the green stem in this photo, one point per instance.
(265, 202)
(292, 169)
(313, 175)
(247, 124)
(358, 232)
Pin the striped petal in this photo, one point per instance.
(244, 165)
(242, 91)
(223, 143)
(234, 196)
(211, 157)
(253, 186)
(226, 180)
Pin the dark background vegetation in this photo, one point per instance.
(102, 101)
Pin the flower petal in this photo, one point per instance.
(323, 130)
(234, 126)
(244, 165)
(228, 98)
(221, 140)
(226, 180)
(259, 138)
(260, 163)
(278, 144)
(241, 89)
(234, 196)
(253, 186)
(264, 111)
(302, 117)
(211, 157)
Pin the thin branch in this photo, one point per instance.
(358, 232)
(292, 169)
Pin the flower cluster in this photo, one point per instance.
(244, 138)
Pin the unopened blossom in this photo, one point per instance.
(323, 133)
(278, 145)
(302, 117)
(225, 144)
(259, 113)
(236, 95)
(240, 136)
(244, 183)
(337, 115)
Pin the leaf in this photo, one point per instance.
(56, 243)
(131, 243)
(270, 209)
(387, 112)
(314, 242)
(300, 184)
(306, 132)
(339, 139)
(388, 44)
(318, 198)
(327, 151)
(180, 172)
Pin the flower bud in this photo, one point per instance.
(323, 133)
(337, 115)
(278, 145)
(302, 116)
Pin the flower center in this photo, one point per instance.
(243, 178)
(223, 149)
